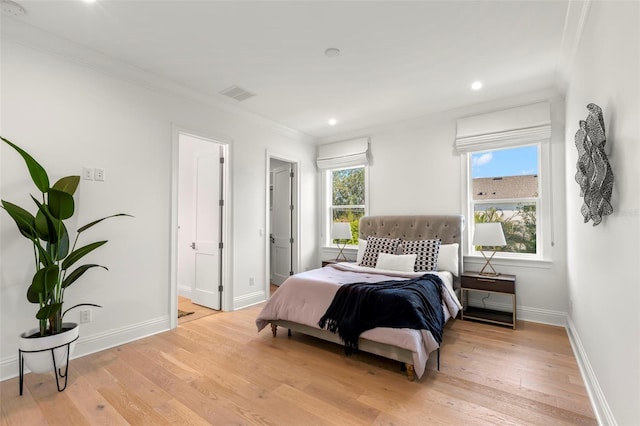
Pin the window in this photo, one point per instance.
(344, 167)
(506, 164)
(504, 186)
(346, 191)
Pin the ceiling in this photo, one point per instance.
(398, 60)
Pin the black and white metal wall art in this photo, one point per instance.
(593, 173)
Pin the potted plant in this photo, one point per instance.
(56, 258)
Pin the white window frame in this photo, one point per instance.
(327, 205)
(544, 226)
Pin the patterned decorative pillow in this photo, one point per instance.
(426, 251)
(377, 245)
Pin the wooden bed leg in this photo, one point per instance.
(289, 332)
(411, 373)
(274, 330)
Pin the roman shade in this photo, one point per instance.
(349, 153)
(508, 128)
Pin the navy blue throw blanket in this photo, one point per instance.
(358, 307)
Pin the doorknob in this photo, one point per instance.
(193, 245)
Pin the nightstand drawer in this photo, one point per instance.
(489, 284)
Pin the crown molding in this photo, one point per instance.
(13, 30)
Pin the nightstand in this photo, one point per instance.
(501, 284)
(332, 261)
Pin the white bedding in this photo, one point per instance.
(303, 298)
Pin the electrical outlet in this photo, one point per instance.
(87, 173)
(98, 174)
(252, 281)
(85, 316)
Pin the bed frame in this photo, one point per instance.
(447, 228)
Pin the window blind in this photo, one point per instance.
(508, 128)
(338, 155)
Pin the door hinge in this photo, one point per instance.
(291, 240)
(221, 203)
(291, 207)
(291, 174)
(220, 245)
(221, 160)
(220, 288)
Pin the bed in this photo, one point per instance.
(303, 298)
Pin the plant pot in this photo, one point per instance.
(36, 350)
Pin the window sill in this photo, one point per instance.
(522, 263)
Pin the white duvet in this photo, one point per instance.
(304, 298)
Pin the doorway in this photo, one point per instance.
(283, 220)
(198, 222)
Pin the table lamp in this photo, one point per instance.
(488, 234)
(341, 231)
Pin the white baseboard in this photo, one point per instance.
(601, 408)
(97, 342)
(249, 300)
(185, 291)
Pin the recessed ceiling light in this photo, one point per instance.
(476, 85)
(333, 122)
(89, 1)
(332, 52)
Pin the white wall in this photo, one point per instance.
(69, 116)
(603, 261)
(415, 170)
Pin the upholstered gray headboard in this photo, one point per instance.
(448, 228)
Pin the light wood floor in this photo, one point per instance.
(185, 304)
(219, 370)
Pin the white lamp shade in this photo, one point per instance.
(489, 234)
(341, 231)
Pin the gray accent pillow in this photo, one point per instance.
(426, 251)
(377, 245)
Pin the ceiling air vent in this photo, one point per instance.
(237, 93)
(12, 8)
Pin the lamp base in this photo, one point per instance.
(488, 264)
(341, 253)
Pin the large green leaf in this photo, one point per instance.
(95, 222)
(45, 257)
(24, 220)
(45, 223)
(78, 272)
(37, 172)
(62, 245)
(67, 184)
(79, 253)
(49, 311)
(61, 204)
(55, 229)
(42, 226)
(44, 282)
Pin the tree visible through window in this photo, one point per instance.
(348, 197)
(505, 188)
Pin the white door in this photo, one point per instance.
(281, 261)
(207, 245)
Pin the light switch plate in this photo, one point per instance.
(87, 173)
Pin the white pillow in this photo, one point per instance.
(396, 262)
(362, 246)
(448, 258)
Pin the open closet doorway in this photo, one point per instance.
(198, 243)
(283, 219)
